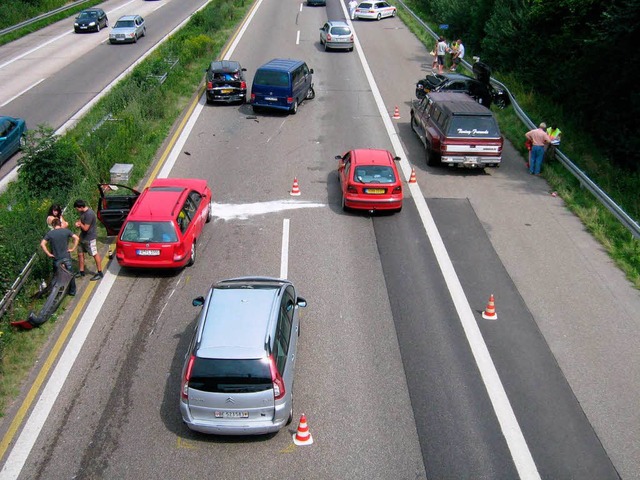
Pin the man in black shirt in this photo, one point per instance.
(56, 245)
(88, 236)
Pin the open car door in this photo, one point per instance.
(115, 204)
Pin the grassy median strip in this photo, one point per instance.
(129, 125)
(621, 185)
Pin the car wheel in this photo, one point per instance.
(256, 109)
(192, 256)
(209, 213)
(311, 94)
(135, 38)
(290, 419)
(344, 205)
(393, 14)
(326, 47)
(397, 210)
(379, 16)
(23, 141)
(294, 107)
(500, 103)
(432, 158)
(413, 123)
(106, 23)
(98, 27)
(144, 32)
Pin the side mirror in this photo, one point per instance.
(311, 71)
(397, 159)
(338, 157)
(301, 302)
(244, 69)
(198, 302)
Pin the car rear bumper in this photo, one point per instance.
(359, 203)
(340, 45)
(471, 161)
(150, 262)
(236, 428)
(233, 97)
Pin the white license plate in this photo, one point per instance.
(231, 414)
(271, 99)
(148, 253)
(471, 159)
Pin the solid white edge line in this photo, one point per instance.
(23, 92)
(284, 255)
(33, 426)
(514, 438)
(298, 38)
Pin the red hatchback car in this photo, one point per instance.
(160, 227)
(369, 180)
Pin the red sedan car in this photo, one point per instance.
(160, 227)
(369, 180)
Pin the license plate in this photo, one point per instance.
(271, 99)
(148, 253)
(376, 191)
(231, 414)
(471, 159)
(226, 90)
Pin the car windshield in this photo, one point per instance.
(374, 174)
(88, 15)
(340, 31)
(124, 24)
(270, 77)
(474, 126)
(149, 232)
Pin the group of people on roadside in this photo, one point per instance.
(55, 243)
(441, 49)
(541, 142)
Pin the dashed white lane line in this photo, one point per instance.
(284, 253)
(23, 92)
(511, 430)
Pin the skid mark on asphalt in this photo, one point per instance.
(242, 211)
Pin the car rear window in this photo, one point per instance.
(374, 174)
(145, 232)
(230, 375)
(473, 126)
(271, 77)
(364, 5)
(340, 31)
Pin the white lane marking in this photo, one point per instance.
(284, 255)
(511, 430)
(301, 7)
(22, 92)
(49, 42)
(242, 211)
(298, 38)
(23, 445)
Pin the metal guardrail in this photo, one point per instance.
(8, 298)
(582, 177)
(41, 17)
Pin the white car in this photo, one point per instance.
(128, 29)
(375, 10)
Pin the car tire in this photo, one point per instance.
(326, 47)
(397, 210)
(311, 94)
(144, 32)
(192, 255)
(394, 13)
(379, 17)
(209, 215)
(413, 123)
(290, 419)
(256, 108)
(500, 103)
(294, 107)
(106, 23)
(432, 158)
(22, 142)
(98, 27)
(135, 38)
(344, 205)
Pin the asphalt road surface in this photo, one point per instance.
(387, 375)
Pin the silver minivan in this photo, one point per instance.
(237, 377)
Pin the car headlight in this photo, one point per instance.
(92, 24)
(75, 24)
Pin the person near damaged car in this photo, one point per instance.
(88, 238)
(56, 245)
(539, 140)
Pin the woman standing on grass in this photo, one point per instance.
(55, 211)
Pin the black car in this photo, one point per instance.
(225, 82)
(322, 3)
(91, 20)
(479, 88)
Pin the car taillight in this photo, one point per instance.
(351, 38)
(328, 37)
(278, 383)
(352, 189)
(209, 85)
(398, 189)
(243, 84)
(253, 97)
(289, 99)
(184, 390)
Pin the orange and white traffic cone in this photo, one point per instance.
(396, 113)
(295, 190)
(412, 178)
(303, 436)
(490, 311)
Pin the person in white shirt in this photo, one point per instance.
(457, 56)
(352, 9)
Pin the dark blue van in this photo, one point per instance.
(282, 84)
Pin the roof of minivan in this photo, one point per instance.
(237, 322)
(458, 103)
(285, 64)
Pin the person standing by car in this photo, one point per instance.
(56, 245)
(441, 51)
(88, 237)
(539, 139)
(458, 55)
(554, 134)
(353, 4)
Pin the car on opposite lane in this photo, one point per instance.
(13, 133)
(336, 34)
(374, 10)
(369, 180)
(128, 29)
(160, 227)
(90, 20)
